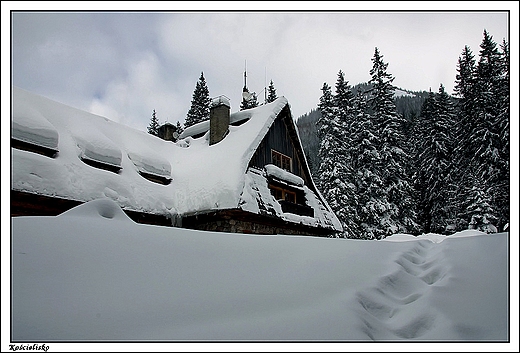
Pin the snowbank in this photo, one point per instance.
(92, 274)
(104, 208)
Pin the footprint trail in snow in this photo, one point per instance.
(394, 308)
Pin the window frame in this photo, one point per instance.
(284, 193)
(284, 160)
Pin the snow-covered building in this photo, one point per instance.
(237, 172)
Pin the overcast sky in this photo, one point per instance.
(122, 65)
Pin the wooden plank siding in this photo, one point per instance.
(282, 137)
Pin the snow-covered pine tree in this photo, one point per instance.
(486, 134)
(504, 97)
(433, 161)
(446, 117)
(420, 130)
(154, 124)
(370, 194)
(179, 128)
(399, 214)
(327, 126)
(332, 170)
(501, 187)
(483, 151)
(343, 192)
(327, 111)
(199, 110)
(463, 151)
(271, 93)
(477, 211)
(464, 90)
(324, 127)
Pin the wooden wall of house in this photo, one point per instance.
(280, 138)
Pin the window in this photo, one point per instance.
(30, 147)
(290, 201)
(281, 160)
(282, 194)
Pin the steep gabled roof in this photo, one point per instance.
(201, 177)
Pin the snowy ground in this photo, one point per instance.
(92, 274)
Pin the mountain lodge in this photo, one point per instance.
(242, 172)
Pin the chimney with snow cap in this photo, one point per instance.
(218, 119)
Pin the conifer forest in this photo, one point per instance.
(419, 162)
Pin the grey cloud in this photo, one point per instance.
(127, 64)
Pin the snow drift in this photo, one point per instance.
(92, 274)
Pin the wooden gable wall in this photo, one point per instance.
(282, 137)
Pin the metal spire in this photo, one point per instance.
(245, 76)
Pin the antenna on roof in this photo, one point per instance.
(245, 92)
(245, 76)
(265, 85)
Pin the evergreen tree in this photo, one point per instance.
(464, 90)
(327, 110)
(501, 188)
(325, 127)
(271, 93)
(419, 137)
(477, 211)
(370, 194)
(486, 132)
(433, 156)
(343, 193)
(179, 128)
(398, 210)
(154, 124)
(483, 151)
(199, 110)
(333, 183)
(465, 80)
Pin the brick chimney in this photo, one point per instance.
(218, 119)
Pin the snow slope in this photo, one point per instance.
(92, 274)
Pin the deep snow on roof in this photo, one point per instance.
(202, 177)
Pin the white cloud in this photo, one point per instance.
(126, 64)
(131, 99)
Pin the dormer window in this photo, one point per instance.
(32, 132)
(281, 160)
(99, 152)
(288, 190)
